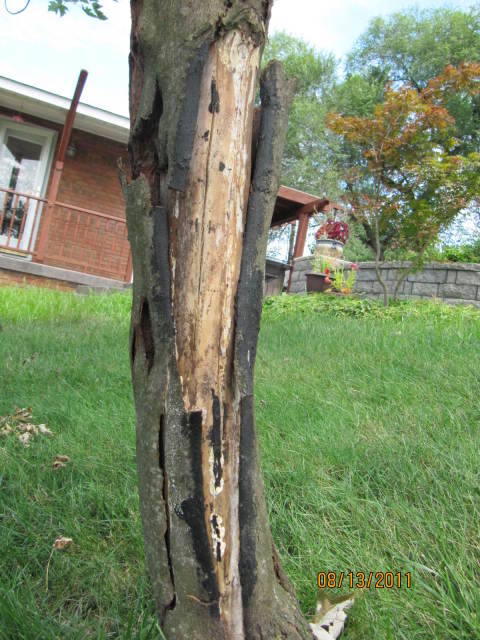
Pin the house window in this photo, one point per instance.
(25, 157)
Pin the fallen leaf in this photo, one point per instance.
(43, 429)
(23, 415)
(62, 543)
(27, 427)
(25, 439)
(60, 461)
(330, 619)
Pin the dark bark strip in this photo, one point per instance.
(145, 331)
(216, 528)
(214, 106)
(193, 510)
(276, 95)
(261, 619)
(246, 507)
(161, 268)
(188, 120)
(216, 440)
(161, 464)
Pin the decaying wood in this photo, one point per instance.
(198, 225)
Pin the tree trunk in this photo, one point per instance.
(198, 229)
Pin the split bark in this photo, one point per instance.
(198, 229)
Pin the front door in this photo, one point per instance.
(24, 162)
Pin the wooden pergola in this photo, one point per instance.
(292, 205)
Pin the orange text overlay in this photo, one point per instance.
(364, 580)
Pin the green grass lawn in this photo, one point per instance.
(369, 426)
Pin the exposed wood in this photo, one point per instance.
(206, 239)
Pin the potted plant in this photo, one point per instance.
(319, 279)
(331, 237)
(327, 277)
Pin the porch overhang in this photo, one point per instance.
(291, 204)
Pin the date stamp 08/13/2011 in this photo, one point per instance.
(364, 579)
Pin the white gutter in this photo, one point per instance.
(50, 106)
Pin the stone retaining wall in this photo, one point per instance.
(454, 283)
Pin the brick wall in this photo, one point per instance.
(90, 179)
(454, 283)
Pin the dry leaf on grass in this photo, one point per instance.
(6, 430)
(60, 461)
(20, 423)
(23, 415)
(43, 429)
(25, 439)
(62, 543)
(27, 427)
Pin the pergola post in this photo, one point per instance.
(299, 243)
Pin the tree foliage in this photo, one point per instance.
(410, 47)
(408, 185)
(92, 8)
(308, 161)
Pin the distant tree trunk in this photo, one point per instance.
(378, 261)
(198, 229)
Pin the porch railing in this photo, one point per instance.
(19, 217)
(70, 237)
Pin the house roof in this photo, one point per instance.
(50, 106)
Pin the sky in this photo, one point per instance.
(46, 51)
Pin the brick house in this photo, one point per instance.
(77, 236)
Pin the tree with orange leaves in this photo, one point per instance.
(409, 185)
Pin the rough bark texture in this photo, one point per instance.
(198, 228)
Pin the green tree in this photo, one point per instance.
(410, 47)
(310, 149)
(408, 186)
(92, 8)
(308, 160)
